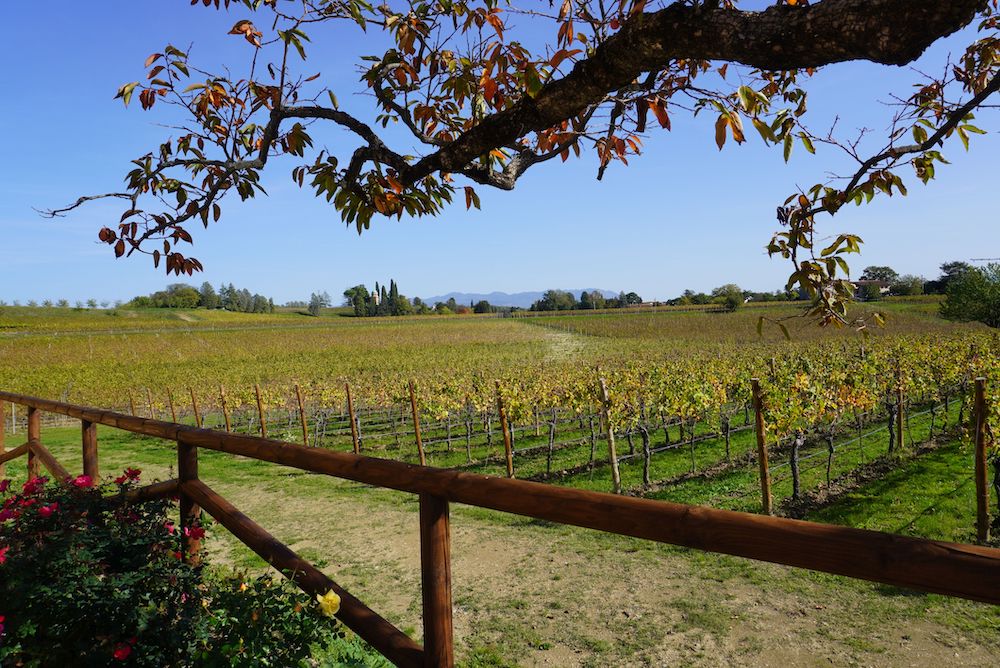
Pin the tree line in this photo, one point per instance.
(563, 300)
(228, 298)
(388, 301)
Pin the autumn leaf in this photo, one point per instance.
(720, 130)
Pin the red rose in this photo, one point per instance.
(34, 485)
(122, 650)
(83, 481)
(196, 533)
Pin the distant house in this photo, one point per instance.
(862, 287)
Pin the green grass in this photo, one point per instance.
(932, 496)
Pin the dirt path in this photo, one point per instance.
(529, 593)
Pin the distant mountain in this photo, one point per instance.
(520, 299)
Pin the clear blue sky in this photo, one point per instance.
(683, 215)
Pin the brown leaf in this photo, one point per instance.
(720, 130)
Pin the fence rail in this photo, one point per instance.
(966, 571)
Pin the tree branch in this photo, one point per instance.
(892, 32)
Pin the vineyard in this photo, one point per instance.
(864, 431)
(652, 404)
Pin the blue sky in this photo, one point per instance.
(683, 215)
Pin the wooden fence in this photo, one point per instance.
(966, 571)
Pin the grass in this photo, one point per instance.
(931, 496)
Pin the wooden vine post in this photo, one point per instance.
(260, 411)
(508, 450)
(225, 407)
(149, 403)
(170, 401)
(89, 438)
(302, 415)
(3, 427)
(416, 424)
(34, 436)
(899, 409)
(612, 451)
(131, 403)
(982, 491)
(194, 404)
(354, 422)
(765, 474)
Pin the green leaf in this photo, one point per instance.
(765, 131)
(788, 146)
(532, 82)
(333, 99)
(125, 92)
(807, 143)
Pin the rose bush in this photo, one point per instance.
(89, 579)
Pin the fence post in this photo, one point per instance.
(435, 576)
(89, 437)
(616, 477)
(354, 424)
(302, 415)
(3, 427)
(194, 403)
(34, 434)
(982, 491)
(225, 407)
(508, 450)
(416, 425)
(187, 471)
(260, 411)
(765, 474)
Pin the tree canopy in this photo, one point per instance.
(974, 294)
(486, 90)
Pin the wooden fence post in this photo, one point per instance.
(170, 401)
(416, 424)
(194, 403)
(34, 435)
(354, 424)
(187, 471)
(982, 490)
(89, 438)
(302, 415)
(765, 474)
(225, 407)
(508, 450)
(3, 427)
(616, 477)
(260, 411)
(435, 576)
